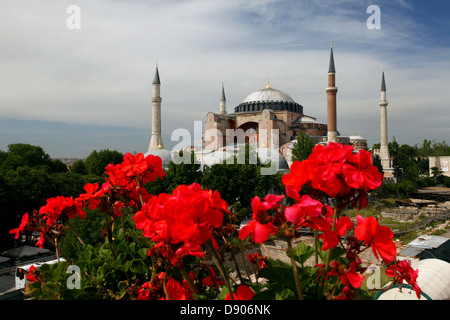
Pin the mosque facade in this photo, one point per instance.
(268, 119)
(272, 110)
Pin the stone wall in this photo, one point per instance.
(414, 211)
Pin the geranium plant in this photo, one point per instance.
(172, 246)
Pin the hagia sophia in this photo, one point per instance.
(260, 114)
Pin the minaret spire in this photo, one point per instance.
(156, 80)
(384, 146)
(156, 140)
(331, 68)
(222, 102)
(383, 83)
(331, 100)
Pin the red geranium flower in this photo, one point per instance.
(294, 180)
(242, 293)
(378, 237)
(31, 275)
(328, 160)
(61, 208)
(348, 276)
(186, 217)
(93, 195)
(212, 280)
(363, 174)
(21, 227)
(331, 237)
(133, 165)
(261, 225)
(402, 272)
(257, 260)
(305, 209)
(175, 290)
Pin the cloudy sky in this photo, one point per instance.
(73, 91)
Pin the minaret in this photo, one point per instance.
(223, 102)
(331, 100)
(156, 141)
(384, 147)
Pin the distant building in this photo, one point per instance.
(441, 162)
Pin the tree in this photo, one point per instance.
(433, 148)
(58, 166)
(240, 182)
(32, 156)
(302, 147)
(97, 161)
(79, 167)
(377, 163)
(435, 173)
(183, 173)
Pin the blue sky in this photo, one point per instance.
(75, 91)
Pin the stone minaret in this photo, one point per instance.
(223, 102)
(384, 147)
(331, 100)
(156, 141)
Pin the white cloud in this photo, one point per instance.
(102, 74)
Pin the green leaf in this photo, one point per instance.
(122, 287)
(302, 252)
(278, 272)
(335, 253)
(275, 292)
(138, 266)
(52, 272)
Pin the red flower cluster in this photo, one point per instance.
(48, 221)
(378, 237)
(61, 209)
(185, 218)
(335, 170)
(350, 277)
(257, 260)
(160, 288)
(261, 225)
(332, 171)
(124, 181)
(33, 274)
(134, 172)
(403, 272)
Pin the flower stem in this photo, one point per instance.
(236, 265)
(189, 281)
(316, 246)
(220, 266)
(295, 270)
(165, 287)
(75, 232)
(244, 262)
(109, 235)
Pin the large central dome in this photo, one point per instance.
(268, 94)
(268, 98)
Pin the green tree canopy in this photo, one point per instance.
(79, 167)
(302, 147)
(97, 161)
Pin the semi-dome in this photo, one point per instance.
(268, 98)
(266, 155)
(216, 157)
